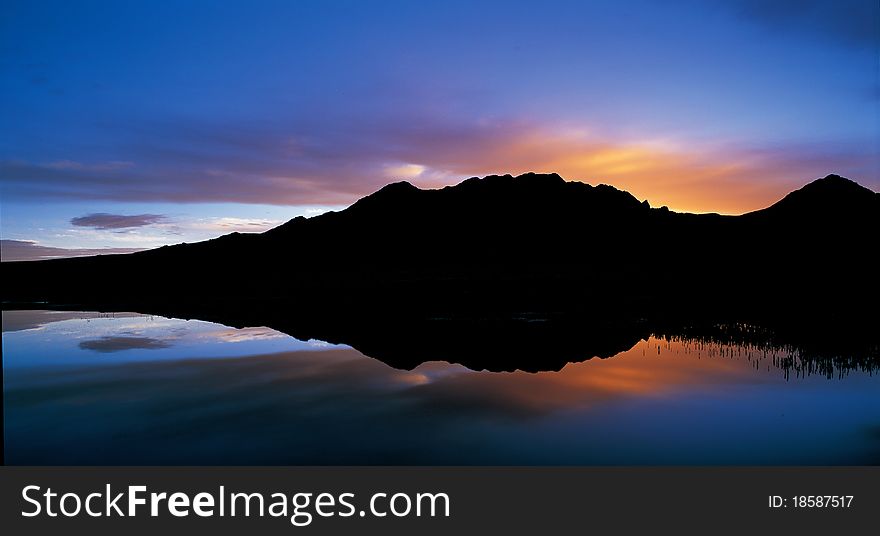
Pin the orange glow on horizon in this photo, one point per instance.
(692, 179)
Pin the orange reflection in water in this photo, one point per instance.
(652, 368)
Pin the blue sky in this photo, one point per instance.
(223, 116)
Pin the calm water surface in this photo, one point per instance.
(93, 388)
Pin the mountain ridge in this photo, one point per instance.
(403, 191)
(532, 227)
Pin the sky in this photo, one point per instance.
(132, 124)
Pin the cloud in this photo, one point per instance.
(404, 171)
(100, 166)
(104, 221)
(27, 250)
(229, 225)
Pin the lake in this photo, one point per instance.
(125, 388)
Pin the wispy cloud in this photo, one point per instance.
(229, 225)
(96, 166)
(404, 171)
(105, 221)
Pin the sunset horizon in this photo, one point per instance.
(208, 118)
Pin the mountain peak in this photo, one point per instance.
(400, 186)
(395, 192)
(836, 182)
(530, 179)
(832, 195)
(539, 178)
(833, 185)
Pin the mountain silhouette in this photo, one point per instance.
(502, 269)
(833, 196)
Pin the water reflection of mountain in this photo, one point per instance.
(548, 343)
(537, 343)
